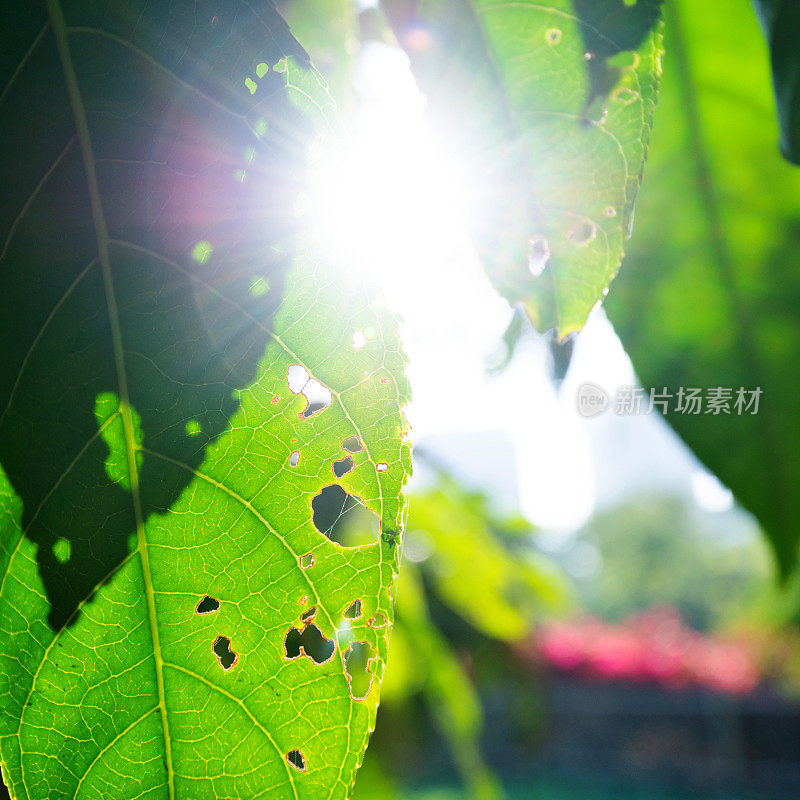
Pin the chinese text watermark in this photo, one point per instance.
(592, 400)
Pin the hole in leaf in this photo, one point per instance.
(208, 605)
(297, 377)
(343, 517)
(597, 111)
(294, 459)
(352, 445)
(317, 396)
(342, 467)
(356, 667)
(611, 211)
(222, 650)
(309, 642)
(354, 610)
(382, 467)
(378, 621)
(538, 255)
(359, 340)
(314, 407)
(307, 616)
(583, 233)
(295, 758)
(307, 561)
(553, 36)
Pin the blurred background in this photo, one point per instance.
(584, 611)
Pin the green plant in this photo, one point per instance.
(190, 382)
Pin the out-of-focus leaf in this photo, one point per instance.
(373, 783)
(547, 106)
(449, 693)
(499, 592)
(173, 621)
(494, 585)
(508, 344)
(781, 22)
(712, 290)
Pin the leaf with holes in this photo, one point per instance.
(178, 384)
(549, 104)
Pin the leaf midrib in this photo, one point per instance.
(101, 232)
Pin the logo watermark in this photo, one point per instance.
(592, 400)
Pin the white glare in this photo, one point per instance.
(394, 208)
(388, 206)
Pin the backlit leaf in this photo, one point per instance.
(548, 106)
(176, 382)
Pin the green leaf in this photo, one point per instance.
(548, 107)
(711, 292)
(781, 22)
(469, 561)
(498, 592)
(175, 386)
(449, 693)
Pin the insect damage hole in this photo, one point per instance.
(538, 254)
(354, 610)
(318, 397)
(208, 605)
(553, 36)
(357, 658)
(341, 468)
(352, 445)
(583, 233)
(295, 758)
(294, 459)
(308, 642)
(378, 621)
(222, 650)
(307, 561)
(307, 616)
(343, 517)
